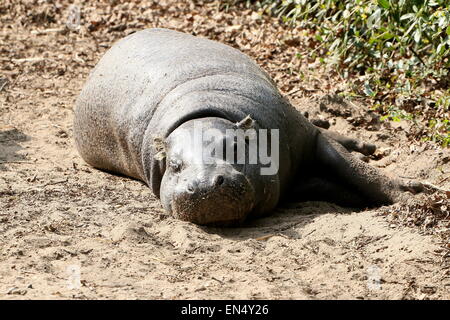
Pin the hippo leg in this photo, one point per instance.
(377, 188)
(346, 180)
(350, 144)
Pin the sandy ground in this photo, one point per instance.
(70, 231)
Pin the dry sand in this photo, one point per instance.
(60, 218)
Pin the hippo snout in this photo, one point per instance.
(218, 199)
(196, 185)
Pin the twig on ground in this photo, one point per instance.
(33, 59)
(55, 182)
(38, 32)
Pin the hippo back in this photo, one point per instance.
(153, 80)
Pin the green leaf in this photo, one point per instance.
(368, 90)
(407, 16)
(335, 44)
(346, 14)
(442, 22)
(384, 3)
(448, 30)
(374, 19)
(417, 35)
(387, 36)
(440, 48)
(407, 88)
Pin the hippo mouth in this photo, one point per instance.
(223, 206)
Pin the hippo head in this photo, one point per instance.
(205, 180)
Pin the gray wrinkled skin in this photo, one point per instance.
(156, 81)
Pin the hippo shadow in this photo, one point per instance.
(10, 146)
(285, 220)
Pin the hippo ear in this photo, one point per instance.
(246, 123)
(159, 145)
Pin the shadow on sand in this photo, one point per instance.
(283, 221)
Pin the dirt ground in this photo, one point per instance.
(68, 231)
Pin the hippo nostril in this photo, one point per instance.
(218, 180)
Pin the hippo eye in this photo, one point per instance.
(175, 165)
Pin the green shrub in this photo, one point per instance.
(400, 50)
(415, 30)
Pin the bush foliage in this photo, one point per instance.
(399, 49)
(368, 35)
